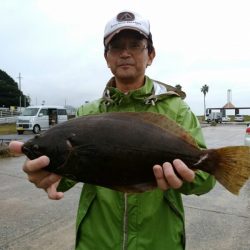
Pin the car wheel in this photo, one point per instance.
(36, 129)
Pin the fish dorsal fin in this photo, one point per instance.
(164, 123)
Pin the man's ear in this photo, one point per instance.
(151, 57)
(105, 56)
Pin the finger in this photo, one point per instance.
(38, 176)
(49, 180)
(171, 177)
(159, 176)
(16, 147)
(31, 166)
(53, 194)
(186, 173)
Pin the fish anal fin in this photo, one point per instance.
(136, 188)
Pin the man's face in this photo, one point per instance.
(127, 56)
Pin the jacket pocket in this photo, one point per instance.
(87, 197)
(177, 209)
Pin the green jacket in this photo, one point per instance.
(109, 219)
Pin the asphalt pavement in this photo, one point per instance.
(218, 220)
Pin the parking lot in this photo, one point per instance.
(29, 220)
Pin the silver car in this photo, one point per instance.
(226, 119)
(239, 118)
(247, 135)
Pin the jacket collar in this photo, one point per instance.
(149, 93)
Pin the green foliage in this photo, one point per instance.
(204, 89)
(213, 123)
(6, 129)
(9, 92)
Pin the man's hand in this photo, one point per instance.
(41, 178)
(167, 178)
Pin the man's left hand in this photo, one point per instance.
(166, 176)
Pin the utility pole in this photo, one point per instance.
(20, 87)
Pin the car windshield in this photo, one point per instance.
(30, 112)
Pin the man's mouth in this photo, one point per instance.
(125, 65)
(121, 64)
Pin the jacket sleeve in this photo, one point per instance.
(65, 184)
(203, 181)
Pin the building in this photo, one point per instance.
(228, 106)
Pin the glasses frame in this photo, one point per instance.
(131, 48)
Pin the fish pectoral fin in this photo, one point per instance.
(71, 140)
(136, 188)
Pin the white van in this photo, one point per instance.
(38, 118)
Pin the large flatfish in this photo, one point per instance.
(119, 150)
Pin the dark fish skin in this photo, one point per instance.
(118, 150)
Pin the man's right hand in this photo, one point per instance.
(41, 178)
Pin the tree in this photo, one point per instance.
(204, 90)
(9, 92)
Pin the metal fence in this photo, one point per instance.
(8, 116)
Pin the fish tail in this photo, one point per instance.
(233, 169)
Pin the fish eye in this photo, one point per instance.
(36, 147)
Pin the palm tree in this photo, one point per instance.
(204, 90)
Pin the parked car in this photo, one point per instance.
(247, 135)
(239, 118)
(38, 118)
(214, 116)
(226, 119)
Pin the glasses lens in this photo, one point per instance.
(131, 48)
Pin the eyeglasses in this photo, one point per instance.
(131, 48)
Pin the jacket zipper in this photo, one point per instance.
(125, 223)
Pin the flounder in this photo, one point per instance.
(119, 150)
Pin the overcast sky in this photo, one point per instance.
(57, 46)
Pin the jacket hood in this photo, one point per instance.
(151, 92)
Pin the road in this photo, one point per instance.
(219, 220)
(24, 137)
(29, 220)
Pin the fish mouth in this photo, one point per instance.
(31, 154)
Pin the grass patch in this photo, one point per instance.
(7, 129)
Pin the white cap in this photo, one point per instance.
(126, 20)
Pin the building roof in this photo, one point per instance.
(228, 105)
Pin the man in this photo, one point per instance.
(113, 220)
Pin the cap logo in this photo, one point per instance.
(125, 16)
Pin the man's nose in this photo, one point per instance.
(125, 51)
